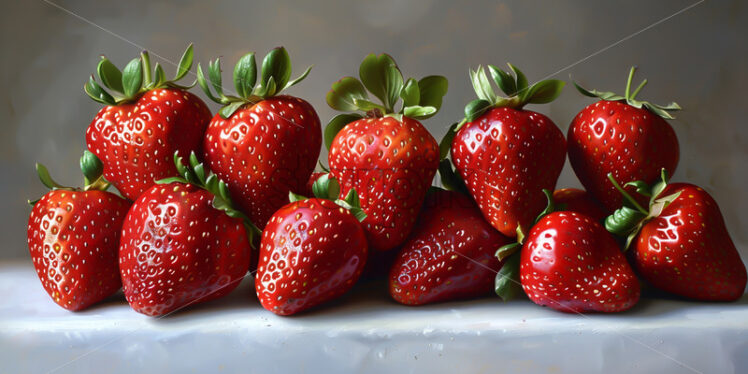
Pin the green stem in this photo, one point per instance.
(636, 91)
(628, 82)
(146, 68)
(625, 194)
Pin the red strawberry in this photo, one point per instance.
(570, 263)
(575, 200)
(681, 245)
(386, 155)
(136, 135)
(449, 255)
(262, 145)
(505, 154)
(312, 251)
(623, 136)
(182, 243)
(73, 236)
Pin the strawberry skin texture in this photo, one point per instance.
(571, 264)
(312, 251)
(687, 250)
(263, 151)
(391, 164)
(136, 141)
(177, 250)
(507, 157)
(576, 200)
(614, 137)
(73, 239)
(449, 255)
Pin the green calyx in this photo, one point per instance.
(274, 78)
(92, 170)
(136, 79)
(197, 174)
(380, 77)
(630, 97)
(628, 220)
(327, 187)
(451, 180)
(514, 84)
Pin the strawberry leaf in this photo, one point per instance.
(450, 180)
(110, 76)
(245, 75)
(543, 92)
(507, 283)
(185, 63)
(432, 90)
(367, 105)
(381, 76)
(91, 167)
(276, 65)
(476, 108)
(45, 178)
(326, 187)
(299, 78)
(520, 78)
(623, 221)
(228, 110)
(341, 96)
(94, 91)
(336, 124)
(410, 94)
(132, 78)
(481, 85)
(203, 83)
(504, 80)
(445, 145)
(214, 72)
(418, 112)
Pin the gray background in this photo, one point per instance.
(696, 58)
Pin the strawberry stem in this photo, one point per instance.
(626, 195)
(639, 88)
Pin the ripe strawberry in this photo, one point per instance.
(570, 263)
(73, 236)
(183, 243)
(262, 145)
(623, 136)
(386, 155)
(136, 134)
(312, 251)
(680, 244)
(579, 201)
(505, 154)
(449, 255)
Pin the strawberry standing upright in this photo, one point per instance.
(507, 155)
(183, 242)
(385, 154)
(449, 255)
(624, 136)
(262, 144)
(312, 250)
(136, 134)
(680, 243)
(73, 237)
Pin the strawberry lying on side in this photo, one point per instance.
(624, 136)
(73, 237)
(449, 255)
(680, 243)
(262, 144)
(136, 134)
(579, 201)
(505, 154)
(183, 243)
(312, 250)
(385, 154)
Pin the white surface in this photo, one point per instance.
(365, 332)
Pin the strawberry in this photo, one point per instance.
(571, 264)
(73, 236)
(505, 154)
(623, 136)
(385, 154)
(579, 201)
(680, 244)
(136, 133)
(183, 242)
(261, 144)
(449, 255)
(312, 251)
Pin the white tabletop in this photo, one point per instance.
(364, 332)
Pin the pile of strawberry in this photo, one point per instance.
(205, 201)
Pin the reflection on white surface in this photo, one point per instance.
(364, 332)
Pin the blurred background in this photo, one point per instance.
(693, 54)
